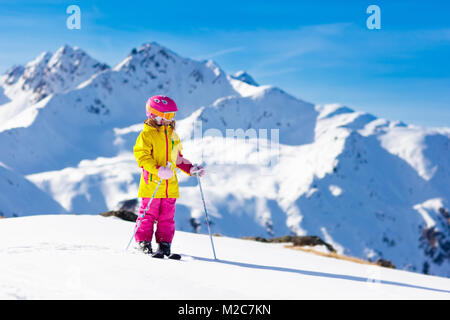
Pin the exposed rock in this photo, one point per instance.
(444, 212)
(312, 241)
(260, 239)
(435, 240)
(129, 205)
(299, 241)
(245, 77)
(195, 224)
(385, 263)
(122, 214)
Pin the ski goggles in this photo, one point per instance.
(164, 115)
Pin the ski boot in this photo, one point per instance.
(164, 250)
(145, 246)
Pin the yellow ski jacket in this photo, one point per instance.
(154, 148)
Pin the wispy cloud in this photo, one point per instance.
(277, 47)
(219, 53)
(268, 74)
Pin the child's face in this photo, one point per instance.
(162, 121)
(165, 122)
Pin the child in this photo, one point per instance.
(158, 153)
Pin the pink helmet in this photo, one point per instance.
(161, 106)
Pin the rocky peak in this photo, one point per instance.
(150, 58)
(245, 77)
(52, 73)
(12, 75)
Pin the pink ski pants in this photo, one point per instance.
(161, 210)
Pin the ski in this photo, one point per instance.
(173, 256)
(158, 255)
(163, 250)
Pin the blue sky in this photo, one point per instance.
(319, 51)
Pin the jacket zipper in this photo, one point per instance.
(167, 159)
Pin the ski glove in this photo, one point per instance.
(145, 173)
(197, 170)
(165, 173)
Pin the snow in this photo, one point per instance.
(339, 249)
(25, 87)
(245, 77)
(17, 196)
(335, 190)
(409, 144)
(432, 205)
(84, 257)
(80, 189)
(276, 165)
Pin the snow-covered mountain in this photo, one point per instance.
(245, 77)
(24, 86)
(20, 197)
(84, 257)
(371, 187)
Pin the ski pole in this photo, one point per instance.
(206, 214)
(143, 214)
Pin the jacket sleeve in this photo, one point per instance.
(183, 164)
(143, 152)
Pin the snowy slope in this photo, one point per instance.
(373, 188)
(20, 197)
(83, 257)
